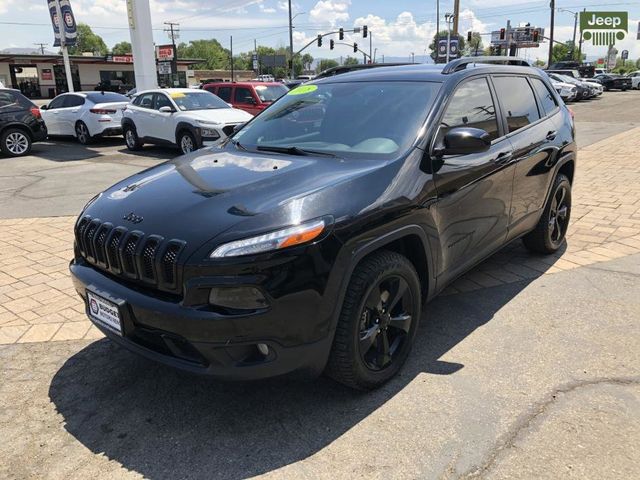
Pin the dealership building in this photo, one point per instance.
(43, 76)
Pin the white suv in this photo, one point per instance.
(184, 117)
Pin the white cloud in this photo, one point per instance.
(331, 12)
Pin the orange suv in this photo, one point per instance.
(252, 97)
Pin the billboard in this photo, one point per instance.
(69, 29)
(164, 52)
(603, 28)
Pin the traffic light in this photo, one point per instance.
(331, 44)
(536, 33)
(503, 33)
(319, 40)
(469, 36)
(341, 34)
(365, 31)
(355, 48)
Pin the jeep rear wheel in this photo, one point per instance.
(377, 323)
(549, 234)
(15, 142)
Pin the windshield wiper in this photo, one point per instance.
(303, 152)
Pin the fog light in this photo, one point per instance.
(239, 298)
(263, 349)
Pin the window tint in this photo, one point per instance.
(8, 101)
(145, 100)
(243, 95)
(106, 97)
(471, 106)
(225, 93)
(518, 101)
(57, 102)
(162, 101)
(73, 101)
(547, 100)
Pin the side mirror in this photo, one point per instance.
(464, 141)
(166, 110)
(250, 100)
(44, 107)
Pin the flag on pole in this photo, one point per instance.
(69, 29)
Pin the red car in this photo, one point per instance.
(252, 97)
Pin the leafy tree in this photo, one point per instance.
(562, 52)
(88, 42)
(122, 48)
(539, 63)
(475, 46)
(443, 34)
(351, 61)
(307, 61)
(215, 56)
(326, 64)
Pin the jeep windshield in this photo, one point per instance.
(377, 120)
(199, 100)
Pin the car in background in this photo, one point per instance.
(594, 85)
(635, 79)
(116, 86)
(583, 90)
(20, 123)
(252, 97)
(187, 118)
(85, 115)
(600, 71)
(611, 81)
(567, 91)
(305, 78)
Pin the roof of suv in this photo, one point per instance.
(424, 72)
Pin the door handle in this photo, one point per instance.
(75, 110)
(503, 158)
(552, 135)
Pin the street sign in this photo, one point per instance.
(604, 28)
(254, 59)
(625, 54)
(520, 37)
(164, 68)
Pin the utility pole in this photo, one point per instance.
(41, 45)
(231, 48)
(456, 11)
(449, 18)
(437, 40)
(172, 31)
(575, 28)
(580, 42)
(370, 46)
(292, 73)
(552, 5)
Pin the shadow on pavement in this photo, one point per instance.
(162, 423)
(67, 149)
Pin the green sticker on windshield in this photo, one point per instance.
(303, 90)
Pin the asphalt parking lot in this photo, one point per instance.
(527, 367)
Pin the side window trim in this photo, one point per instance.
(552, 92)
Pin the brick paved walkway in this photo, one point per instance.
(38, 302)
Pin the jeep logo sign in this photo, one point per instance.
(604, 28)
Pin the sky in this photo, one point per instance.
(399, 27)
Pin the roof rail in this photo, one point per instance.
(461, 63)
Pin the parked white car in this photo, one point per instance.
(635, 80)
(567, 91)
(85, 115)
(187, 118)
(597, 87)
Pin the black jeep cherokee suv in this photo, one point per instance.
(311, 239)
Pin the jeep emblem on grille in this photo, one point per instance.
(133, 218)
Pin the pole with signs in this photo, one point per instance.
(65, 33)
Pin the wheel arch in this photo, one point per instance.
(18, 126)
(187, 127)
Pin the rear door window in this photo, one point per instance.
(8, 102)
(73, 101)
(243, 95)
(57, 102)
(224, 93)
(547, 100)
(471, 106)
(518, 101)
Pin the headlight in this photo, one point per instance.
(209, 133)
(287, 237)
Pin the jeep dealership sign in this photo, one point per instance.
(604, 28)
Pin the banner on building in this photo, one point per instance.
(69, 28)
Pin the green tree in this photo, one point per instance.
(326, 64)
(638, 63)
(562, 52)
(215, 56)
(88, 42)
(539, 63)
(122, 48)
(351, 61)
(443, 34)
(307, 60)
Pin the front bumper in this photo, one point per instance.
(160, 327)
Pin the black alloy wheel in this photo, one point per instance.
(385, 322)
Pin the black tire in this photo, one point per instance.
(187, 142)
(131, 138)
(15, 142)
(82, 133)
(361, 326)
(549, 234)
